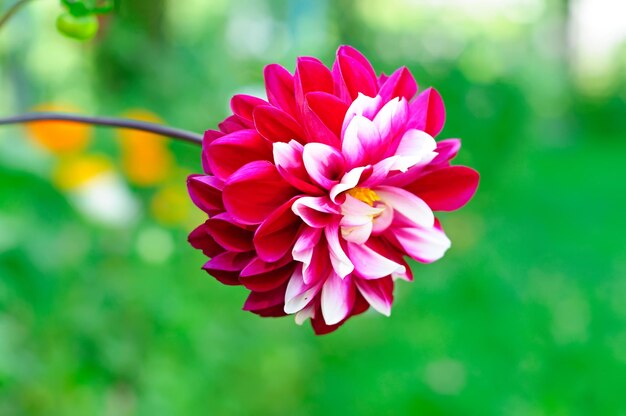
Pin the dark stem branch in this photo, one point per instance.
(178, 134)
(11, 11)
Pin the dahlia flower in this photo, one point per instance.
(316, 196)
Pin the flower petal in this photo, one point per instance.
(364, 106)
(303, 248)
(329, 109)
(225, 267)
(337, 298)
(200, 239)
(361, 141)
(416, 148)
(276, 235)
(311, 75)
(323, 163)
(378, 293)
(428, 112)
(446, 150)
(276, 125)
(208, 138)
(228, 234)
(338, 258)
(370, 264)
(253, 192)
(243, 105)
(320, 266)
(206, 192)
(233, 123)
(357, 234)
(280, 88)
(261, 276)
(446, 189)
(407, 204)
(399, 84)
(356, 72)
(317, 320)
(424, 244)
(230, 152)
(289, 163)
(390, 121)
(299, 294)
(305, 313)
(268, 303)
(351, 179)
(316, 212)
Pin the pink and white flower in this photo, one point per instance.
(316, 197)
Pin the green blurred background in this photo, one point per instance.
(104, 309)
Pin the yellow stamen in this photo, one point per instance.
(364, 194)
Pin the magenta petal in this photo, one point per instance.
(428, 112)
(415, 148)
(244, 105)
(323, 163)
(289, 163)
(276, 125)
(226, 266)
(361, 142)
(268, 303)
(364, 106)
(228, 153)
(378, 293)
(303, 248)
(200, 239)
(207, 139)
(320, 267)
(425, 244)
(206, 192)
(316, 129)
(329, 109)
(228, 234)
(356, 72)
(311, 75)
(407, 204)
(253, 192)
(446, 150)
(276, 235)
(370, 264)
(399, 84)
(337, 298)
(280, 88)
(262, 276)
(338, 258)
(234, 123)
(391, 121)
(300, 293)
(446, 189)
(316, 212)
(351, 179)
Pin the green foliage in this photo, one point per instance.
(80, 21)
(78, 27)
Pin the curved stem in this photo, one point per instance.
(11, 11)
(178, 134)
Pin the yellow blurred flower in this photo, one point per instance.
(146, 160)
(73, 172)
(96, 189)
(170, 205)
(59, 137)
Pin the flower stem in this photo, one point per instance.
(11, 11)
(178, 134)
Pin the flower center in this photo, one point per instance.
(364, 194)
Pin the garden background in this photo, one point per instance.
(104, 309)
